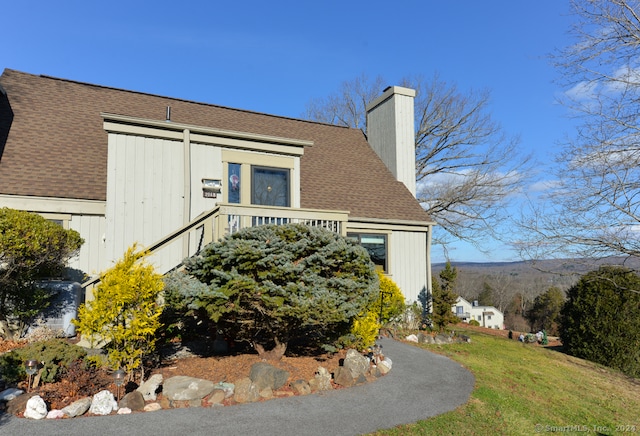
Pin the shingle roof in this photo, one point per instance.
(57, 147)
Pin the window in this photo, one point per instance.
(233, 187)
(376, 245)
(270, 186)
(459, 310)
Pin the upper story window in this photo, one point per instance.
(270, 186)
(233, 186)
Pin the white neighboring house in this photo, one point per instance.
(487, 316)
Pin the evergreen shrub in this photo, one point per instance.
(57, 355)
(600, 321)
(273, 284)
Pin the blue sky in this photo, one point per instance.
(276, 56)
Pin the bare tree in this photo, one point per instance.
(594, 206)
(466, 167)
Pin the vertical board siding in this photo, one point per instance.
(91, 258)
(408, 262)
(144, 194)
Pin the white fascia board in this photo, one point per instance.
(207, 135)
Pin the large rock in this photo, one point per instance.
(343, 377)
(36, 408)
(301, 387)
(183, 388)
(265, 375)
(323, 379)
(103, 403)
(149, 388)
(133, 400)
(78, 407)
(246, 391)
(385, 366)
(356, 363)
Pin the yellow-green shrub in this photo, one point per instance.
(125, 311)
(391, 299)
(365, 329)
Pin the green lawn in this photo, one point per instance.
(524, 389)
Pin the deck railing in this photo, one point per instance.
(169, 252)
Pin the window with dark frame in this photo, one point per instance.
(270, 186)
(376, 245)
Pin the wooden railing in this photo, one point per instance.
(169, 252)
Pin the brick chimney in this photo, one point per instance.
(391, 132)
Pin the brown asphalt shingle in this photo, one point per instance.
(57, 147)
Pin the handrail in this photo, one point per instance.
(171, 237)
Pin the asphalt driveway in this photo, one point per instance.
(420, 385)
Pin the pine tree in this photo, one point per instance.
(444, 297)
(270, 285)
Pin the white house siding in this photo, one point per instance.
(206, 162)
(91, 258)
(408, 262)
(145, 195)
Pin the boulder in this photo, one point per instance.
(343, 377)
(356, 363)
(442, 339)
(78, 407)
(216, 397)
(103, 403)
(246, 391)
(56, 414)
(301, 387)
(133, 400)
(124, 411)
(152, 407)
(323, 379)
(36, 408)
(385, 366)
(149, 388)
(411, 338)
(424, 338)
(265, 375)
(183, 388)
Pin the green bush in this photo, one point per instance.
(269, 285)
(474, 322)
(57, 355)
(31, 248)
(600, 321)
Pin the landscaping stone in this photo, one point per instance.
(385, 366)
(322, 379)
(228, 388)
(133, 400)
(56, 414)
(411, 338)
(152, 407)
(36, 408)
(183, 388)
(356, 363)
(301, 387)
(10, 394)
(78, 407)
(149, 388)
(103, 403)
(246, 391)
(265, 375)
(343, 377)
(424, 338)
(442, 339)
(124, 411)
(216, 397)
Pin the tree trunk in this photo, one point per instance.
(275, 354)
